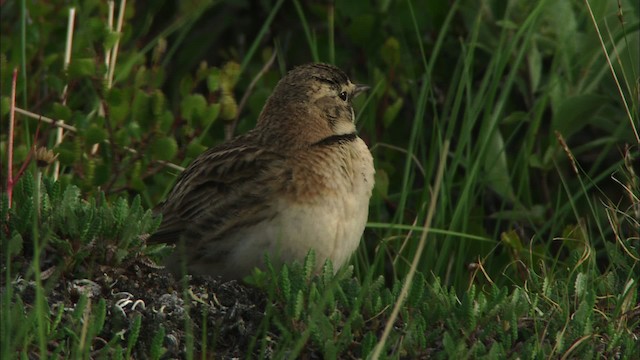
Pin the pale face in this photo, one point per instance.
(334, 103)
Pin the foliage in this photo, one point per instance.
(335, 316)
(73, 238)
(340, 317)
(77, 232)
(125, 128)
(533, 249)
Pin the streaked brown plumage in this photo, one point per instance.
(300, 179)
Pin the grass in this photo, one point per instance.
(524, 245)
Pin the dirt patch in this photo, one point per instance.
(199, 313)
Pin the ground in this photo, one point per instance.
(231, 311)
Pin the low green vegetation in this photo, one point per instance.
(525, 245)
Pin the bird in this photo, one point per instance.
(300, 180)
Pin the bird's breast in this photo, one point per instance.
(323, 206)
(342, 170)
(329, 202)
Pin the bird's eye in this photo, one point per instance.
(343, 95)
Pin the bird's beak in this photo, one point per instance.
(360, 88)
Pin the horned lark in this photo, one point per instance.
(300, 180)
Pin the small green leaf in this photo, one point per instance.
(581, 285)
(165, 121)
(379, 78)
(368, 342)
(110, 39)
(574, 113)
(512, 240)
(534, 213)
(186, 85)
(496, 167)
(164, 148)
(534, 62)
(115, 97)
(202, 72)
(141, 110)
(15, 245)
(285, 282)
(82, 67)
(210, 115)
(230, 75)
(100, 313)
(228, 107)
(507, 24)
(102, 174)
(213, 80)
(391, 112)
(193, 107)
(299, 305)
(381, 185)
(122, 138)
(516, 117)
(134, 332)
(67, 154)
(94, 135)
(390, 51)
(60, 112)
(157, 349)
(195, 148)
(559, 340)
(5, 105)
(136, 180)
(309, 264)
(20, 153)
(120, 211)
(159, 50)
(330, 350)
(118, 105)
(416, 291)
(258, 278)
(157, 102)
(158, 77)
(134, 130)
(327, 272)
(141, 77)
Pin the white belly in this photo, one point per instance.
(331, 225)
(331, 228)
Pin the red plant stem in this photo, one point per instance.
(30, 154)
(12, 117)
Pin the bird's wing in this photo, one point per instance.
(224, 188)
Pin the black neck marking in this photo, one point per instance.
(336, 139)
